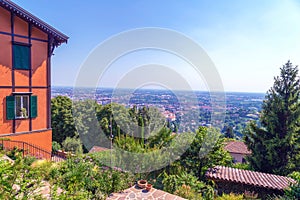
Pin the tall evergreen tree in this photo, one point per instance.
(275, 145)
(229, 132)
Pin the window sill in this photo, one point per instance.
(17, 118)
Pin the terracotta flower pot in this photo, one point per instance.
(148, 186)
(142, 184)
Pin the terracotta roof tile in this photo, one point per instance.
(247, 177)
(237, 147)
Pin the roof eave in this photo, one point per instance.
(58, 36)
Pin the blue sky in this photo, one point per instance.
(248, 40)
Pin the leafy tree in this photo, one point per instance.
(209, 141)
(148, 119)
(87, 124)
(73, 145)
(117, 116)
(62, 121)
(276, 145)
(161, 139)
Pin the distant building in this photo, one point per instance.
(238, 181)
(26, 46)
(170, 116)
(96, 149)
(238, 150)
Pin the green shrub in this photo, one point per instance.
(185, 183)
(187, 192)
(56, 146)
(14, 153)
(293, 192)
(244, 166)
(18, 180)
(230, 196)
(72, 145)
(81, 178)
(28, 160)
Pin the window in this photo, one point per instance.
(21, 107)
(21, 57)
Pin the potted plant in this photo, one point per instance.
(148, 186)
(142, 183)
(24, 113)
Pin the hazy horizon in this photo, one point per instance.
(161, 89)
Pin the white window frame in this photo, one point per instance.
(17, 114)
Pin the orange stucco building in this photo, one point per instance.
(26, 47)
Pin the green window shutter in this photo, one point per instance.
(10, 107)
(21, 57)
(33, 106)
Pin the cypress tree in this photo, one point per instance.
(275, 145)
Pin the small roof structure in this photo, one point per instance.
(258, 179)
(95, 149)
(238, 147)
(58, 37)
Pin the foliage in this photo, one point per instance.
(81, 177)
(14, 153)
(161, 139)
(295, 175)
(18, 180)
(275, 146)
(230, 196)
(250, 195)
(87, 124)
(205, 151)
(148, 119)
(293, 192)
(56, 146)
(62, 121)
(187, 192)
(187, 185)
(118, 116)
(244, 166)
(128, 150)
(73, 145)
(229, 132)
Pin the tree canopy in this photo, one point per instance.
(62, 121)
(275, 145)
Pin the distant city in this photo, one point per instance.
(240, 107)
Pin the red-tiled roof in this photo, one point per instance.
(27, 16)
(97, 149)
(247, 177)
(237, 147)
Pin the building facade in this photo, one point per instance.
(26, 47)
